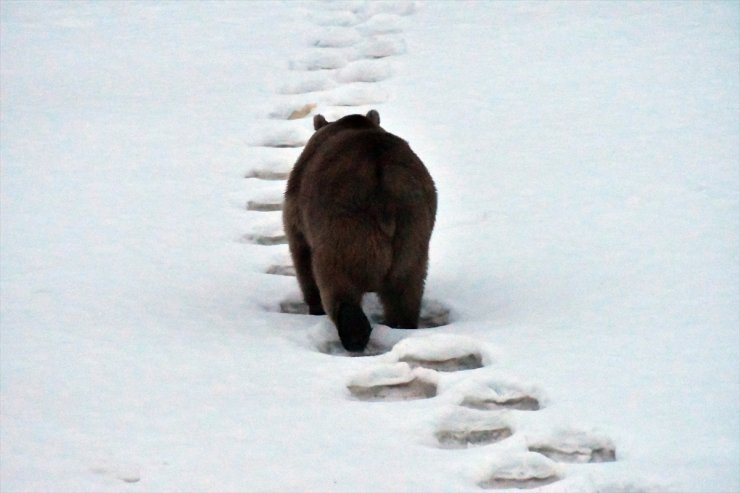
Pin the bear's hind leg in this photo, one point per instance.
(402, 302)
(345, 310)
(343, 302)
(301, 254)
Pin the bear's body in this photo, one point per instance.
(359, 212)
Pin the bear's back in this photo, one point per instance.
(351, 168)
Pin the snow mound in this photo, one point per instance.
(520, 470)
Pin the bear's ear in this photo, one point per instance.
(319, 121)
(373, 116)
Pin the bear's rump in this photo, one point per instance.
(353, 249)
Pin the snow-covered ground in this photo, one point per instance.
(584, 266)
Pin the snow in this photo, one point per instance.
(280, 134)
(382, 24)
(527, 468)
(586, 247)
(365, 71)
(382, 46)
(319, 59)
(337, 37)
(357, 94)
(305, 84)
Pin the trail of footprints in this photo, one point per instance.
(349, 53)
(341, 72)
(484, 410)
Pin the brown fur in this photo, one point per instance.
(359, 212)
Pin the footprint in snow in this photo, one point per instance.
(353, 45)
(433, 313)
(356, 94)
(305, 85)
(521, 470)
(265, 205)
(267, 196)
(392, 382)
(366, 10)
(336, 37)
(441, 352)
(324, 338)
(319, 59)
(498, 393)
(282, 270)
(128, 473)
(282, 136)
(365, 71)
(387, 340)
(573, 446)
(413, 373)
(382, 46)
(268, 174)
(388, 13)
(265, 239)
(371, 9)
(267, 233)
(382, 23)
(335, 18)
(465, 427)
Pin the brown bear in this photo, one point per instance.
(359, 211)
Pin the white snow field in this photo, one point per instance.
(583, 295)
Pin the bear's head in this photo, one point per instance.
(372, 119)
